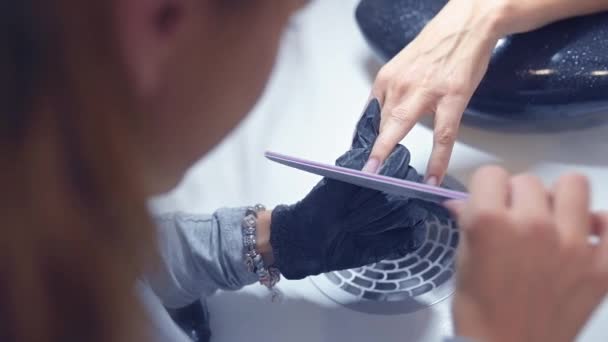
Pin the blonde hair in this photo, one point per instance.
(75, 232)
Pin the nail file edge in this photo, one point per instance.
(373, 181)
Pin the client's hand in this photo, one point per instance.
(339, 226)
(526, 269)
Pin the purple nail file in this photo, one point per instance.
(386, 184)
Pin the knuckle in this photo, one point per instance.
(400, 86)
(438, 165)
(382, 147)
(458, 88)
(445, 135)
(429, 95)
(401, 116)
(383, 78)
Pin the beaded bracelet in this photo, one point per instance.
(269, 276)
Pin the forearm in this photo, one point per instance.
(199, 254)
(517, 16)
(490, 20)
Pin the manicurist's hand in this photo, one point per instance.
(438, 72)
(526, 268)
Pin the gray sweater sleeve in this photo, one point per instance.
(199, 254)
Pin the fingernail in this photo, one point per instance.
(371, 166)
(432, 181)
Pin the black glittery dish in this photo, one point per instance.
(554, 78)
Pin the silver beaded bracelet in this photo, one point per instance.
(269, 276)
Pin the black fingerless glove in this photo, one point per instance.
(340, 226)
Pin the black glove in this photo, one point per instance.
(340, 226)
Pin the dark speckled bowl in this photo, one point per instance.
(554, 78)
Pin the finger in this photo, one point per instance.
(489, 195)
(600, 228)
(447, 120)
(381, 146)
(571, 206)
(381, 85)
(391, 100)
(489, 189)
(396, 125)
(530, 199)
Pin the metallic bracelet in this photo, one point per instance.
(269, 276)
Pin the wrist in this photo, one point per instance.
(485, 20)
(506, 17)
(263, 245)
(511, 17)
(497, 17)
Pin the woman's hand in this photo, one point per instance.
(340, 226)
(436, 73)
(526, 268)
